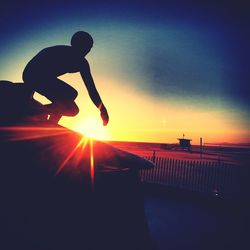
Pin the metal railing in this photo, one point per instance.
(197, 175)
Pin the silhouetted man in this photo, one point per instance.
(41, 73)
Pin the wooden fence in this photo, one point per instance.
(203, 176)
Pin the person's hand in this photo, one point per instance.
(104, 116)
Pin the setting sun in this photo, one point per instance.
(89, 124)
(91, 127)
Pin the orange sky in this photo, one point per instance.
(137, 117)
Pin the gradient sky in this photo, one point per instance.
(162, 69)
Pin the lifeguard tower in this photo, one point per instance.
(184, 143)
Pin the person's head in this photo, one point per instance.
(82, 41)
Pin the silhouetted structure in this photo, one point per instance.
(185, 143)
(17, 104)
(42, 210)
(48, 200)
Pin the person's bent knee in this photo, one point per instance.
(67, 108)
(71, 110)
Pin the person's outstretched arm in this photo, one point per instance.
(93, 93)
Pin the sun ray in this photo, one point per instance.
(19, 133)
(83, 143)
(92, 167)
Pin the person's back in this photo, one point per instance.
(55, 61)
(43, 69)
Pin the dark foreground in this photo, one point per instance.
(180, 220)
(59, 192)
(43, 208)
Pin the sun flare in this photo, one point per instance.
(92, 128)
